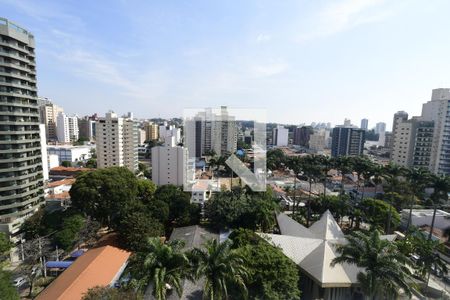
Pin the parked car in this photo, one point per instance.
(123, 281)
(36, 270)
(19, 281)
(446, 279)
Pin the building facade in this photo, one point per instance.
(86, 127)
(364, 124)
(301, 135)
(48, 112)
(169, 165)
(151, 131)
(280, 136)
(347, 141)
(67, 128)
(117, 142)
(21, 178)
(413, 143)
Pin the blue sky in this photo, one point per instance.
(302, 60)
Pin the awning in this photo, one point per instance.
(77, 253)
(58, 264)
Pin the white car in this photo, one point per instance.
(19, 281)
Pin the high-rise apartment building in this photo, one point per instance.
(169, 165)
(280, 136)
(365, 124)
(399, 117)
(151, 131)
(21, 178)
(413, 143)
(117, 142)
(438, 111)
(301, 135)
(48, 112)
(211, 131)
(67, 128)
(347, 141)
(86, 127)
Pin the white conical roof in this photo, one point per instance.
(327, 228)
(289, 226)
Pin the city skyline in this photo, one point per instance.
(202, 54)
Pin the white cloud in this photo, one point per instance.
(344, 15)
(262, 37)
(269, 69)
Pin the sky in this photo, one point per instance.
(302, 61)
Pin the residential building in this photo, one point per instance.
(70, 153)
(48, 112)
(318, 141)
(438, 111)
(347, 122)
(141, 136)
(116, 142)
(364, 124)
(347, 141)
(21, 178)
(380, 127)
(67, 128)
(44, 153)
(413, 143)
(193, 237)
(211, 130)
(151, 131)
(280, 136)
(169, 165)
(424, 217)
(399, 117)
(170, 132)
(301, 135)
(86, 127)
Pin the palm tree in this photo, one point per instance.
(441, 186)
(344, 165)
(417, 178)
(377, 176)
(429, 259)
(164, 265)
(312, 171)
(325, 165)
(221, 267)
(295, 164)
(393, 173)
(385, 271)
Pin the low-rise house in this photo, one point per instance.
(422, 217)
(101, 266)
(193, 237)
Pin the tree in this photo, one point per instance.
(163, 265)
(181, 211)
(104, 193)
(7, 290)
(91, 163)
(242, 209)
(69, 235)
(111, 293)
(377, 213)
(417, 178)
(5, 243)
(441, 186)
(385, 267)
(221, 267)
(136, 226)
(146, 190)
(66, 163)
(34, 252)
(271, 274)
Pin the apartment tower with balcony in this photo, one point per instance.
(21, 178)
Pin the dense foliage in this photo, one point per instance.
(243, 208)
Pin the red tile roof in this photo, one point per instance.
(97, 267)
